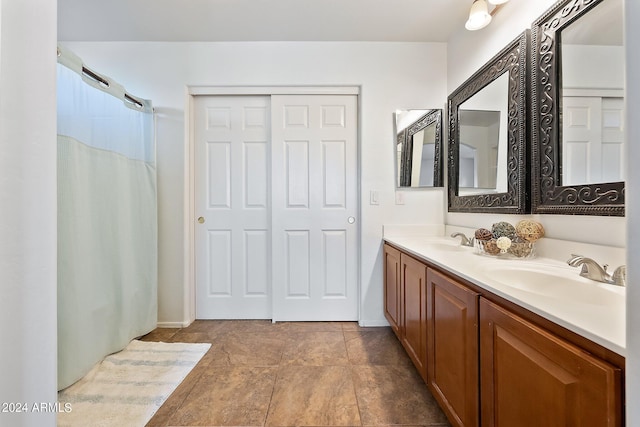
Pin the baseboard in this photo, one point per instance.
(175, 325)
(362, 323)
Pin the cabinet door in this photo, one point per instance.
(392, 295)
(452, 348)
(530, 377)
(414, 324)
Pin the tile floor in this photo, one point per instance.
(296, 374)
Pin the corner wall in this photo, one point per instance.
(632, 33)
(391, 76)
(28, 368)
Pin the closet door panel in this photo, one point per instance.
(315, 203)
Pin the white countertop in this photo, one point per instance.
(597, 312)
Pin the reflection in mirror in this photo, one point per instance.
(479, 136)
(592, 96)
(422, 157)
(483, 132)
(418, 152)
(578, 109)
(487, 136)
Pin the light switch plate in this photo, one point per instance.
(399, 198)
(373, 197)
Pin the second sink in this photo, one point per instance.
(556, 283)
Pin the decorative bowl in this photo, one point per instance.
(517, 250)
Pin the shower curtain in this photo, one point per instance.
(107, 220)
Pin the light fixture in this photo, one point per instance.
(478, 16)
(497, 2)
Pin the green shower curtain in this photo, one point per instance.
(107, 220)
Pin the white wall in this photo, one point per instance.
(470, 50)
(391, 75)
(632, 95)
(28, 370)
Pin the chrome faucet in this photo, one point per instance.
(620, 276)
(465, 241)
(592, 270)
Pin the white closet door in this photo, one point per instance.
(232, 182)
(314, 207)
(581, 135)
(593, 139)
(613, 149)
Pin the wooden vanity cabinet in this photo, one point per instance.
(405, 304)
(530, 377)
(452, 348)
(490, 362)
(392, 292)
(413, 276)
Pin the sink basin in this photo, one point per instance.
(556, 283)
(448, 246)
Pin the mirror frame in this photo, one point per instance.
(430, 117)
(548, 195)
(513, 59)
(401, 173)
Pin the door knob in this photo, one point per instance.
(201, 220)
(351, 220)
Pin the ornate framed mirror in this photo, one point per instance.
(418, 148)
(578, 109)
(488, 152)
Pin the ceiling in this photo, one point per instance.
(261, 20)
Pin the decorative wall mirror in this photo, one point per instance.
(487, 136)
(578, 100)
(418, 148)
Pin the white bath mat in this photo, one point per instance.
(128, 387)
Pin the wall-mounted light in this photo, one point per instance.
(479, 16)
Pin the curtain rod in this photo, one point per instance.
(98, 78)
(104, 82)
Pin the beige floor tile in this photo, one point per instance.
(180, 394)
(160, 335)
(350, 326)
(313, 396)
(312, 326)
(354, 326)
(251, 326)
(315, 349)
(297, 374)
(228, 396)
(208, 326)
(226, 326)
(375, 347)
(249, 349)
(194, 337)
(390, 395)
